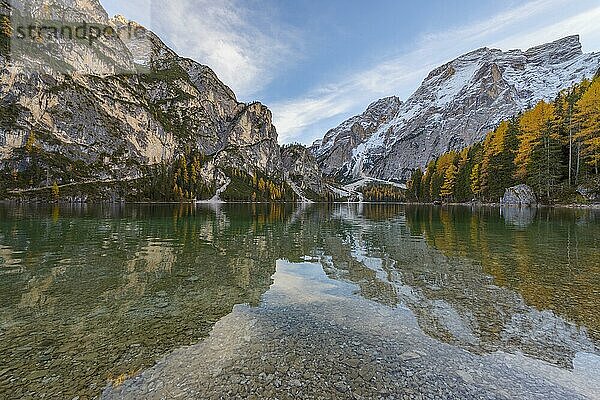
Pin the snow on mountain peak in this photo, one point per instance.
(456, 105)
(556, 52)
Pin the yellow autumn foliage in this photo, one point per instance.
(532, 123)
(588, 119)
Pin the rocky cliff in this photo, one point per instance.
(456, 105)
(108, 111)
(302, 170)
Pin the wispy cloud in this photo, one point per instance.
(301, 119)
(231, 38)
(304, 119)
(585, 24)
(249, 48)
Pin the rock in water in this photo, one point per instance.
(520, 195)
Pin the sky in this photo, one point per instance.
(315, 63)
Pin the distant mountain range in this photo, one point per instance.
(456, 105)
(129, 110)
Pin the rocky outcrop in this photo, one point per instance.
(520, 195)
(456, 105)
(590, 193)
(340, 144)
(301, 168)
(112, 109)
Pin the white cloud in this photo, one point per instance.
(233, 40)
(304, 119)
(295, 118)
(248, 49)
(586, 24)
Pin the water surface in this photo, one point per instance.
(92, 295)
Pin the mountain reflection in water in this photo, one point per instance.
(88, 294)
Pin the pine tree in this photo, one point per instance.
(497, 166)
(426, 182)
(566, 110)
(462, 187)
(193, 174)
(414, 185)
(544, 168)
(30, 143)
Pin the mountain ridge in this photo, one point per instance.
(112, 115)
(455, 106)
(123, 107)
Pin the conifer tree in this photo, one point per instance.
(447, 189)
(426, 182)
(533, 124)
(414, 185)
(30, 143)
(475, 181)
(462, 187)
(588, 118)
(544, 166)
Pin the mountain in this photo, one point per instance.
(303, 172)
(124, 117)
(343, 140)
(112, 110)
(455, 106)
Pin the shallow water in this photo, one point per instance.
(97, 294)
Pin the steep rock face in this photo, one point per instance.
(70, 48)
(302, 169)
(117, 124)
(339, 144)
(456, 105)
(90, 11)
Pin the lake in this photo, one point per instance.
(298, 301)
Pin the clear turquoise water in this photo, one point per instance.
(88, 294)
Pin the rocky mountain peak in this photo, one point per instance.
(455, 106)
(556, 52)
(79, 44)
(90, 11)
(383, 105)
(122, 105)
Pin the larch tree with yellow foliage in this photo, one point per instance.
(447, 190)
(475, 180)
(543, 147)
(588, 120)
(533, 123)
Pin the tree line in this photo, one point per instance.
(182, 180)
(383, 193)
(554, 147)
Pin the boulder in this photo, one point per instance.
(589, 194)
(520, 195)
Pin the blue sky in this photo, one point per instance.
(316, 63)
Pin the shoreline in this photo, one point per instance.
(208, 202)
